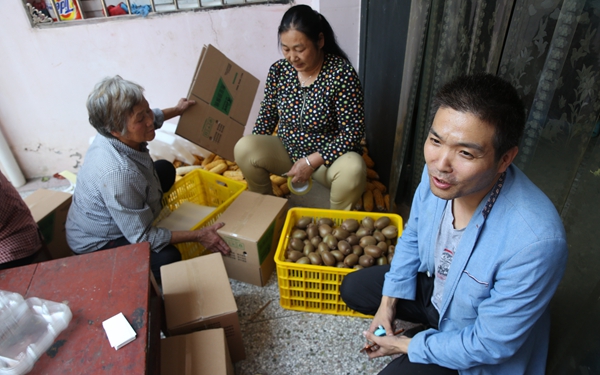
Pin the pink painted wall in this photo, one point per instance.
(46, 74)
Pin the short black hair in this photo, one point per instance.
(492, 100)
(311, 23)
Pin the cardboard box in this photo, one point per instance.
(253, 224)
(224, 94)
(199, 353)
(198, 296)
(49, 209)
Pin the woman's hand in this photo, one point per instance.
(209, 238)
(303, 169)
(184, 104)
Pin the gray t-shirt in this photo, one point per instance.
(445, 246)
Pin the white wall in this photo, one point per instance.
(46, 74)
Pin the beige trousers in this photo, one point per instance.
(259, 155)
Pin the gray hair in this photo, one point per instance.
(111, 103)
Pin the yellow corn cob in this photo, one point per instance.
(371, 174)
(284, 189)
(378, 198)
(276, 190)
(379, 186)
(278, 180)
(368, 200)
(219, 169)
(208, 159)
(213, 164)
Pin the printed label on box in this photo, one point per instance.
(222, 99)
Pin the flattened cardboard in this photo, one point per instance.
(253, 224)
(224, 94)
(199, 353)
(198, 296)
(49, 209)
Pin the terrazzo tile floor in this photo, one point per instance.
(280, 341)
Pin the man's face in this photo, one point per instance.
(460, 157)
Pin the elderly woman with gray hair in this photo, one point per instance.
(119, 188)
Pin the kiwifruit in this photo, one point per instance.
(328, 259)
(382, 222)
(303, 222)
(358, 267)
(315, 258)
(373, 250)
(382, 261)
(331, 241)
(303, 260)
(297, 244)
(340, 233)
(323, 247)
(351, 260)
(326, 221)
(379, 236)
(324, 230)
(366, 260)
(358, 250)
(344, 247)
(295, 255)
(338, 255)
(316, 240)
(299, 233)
(368, 223)
(383, 246)
(350, 225)
(362, 231)
(312, 231)
(308, 248)
(353, 239)
(390, 256)
(367, 240)
(390, 231)
(341, 265)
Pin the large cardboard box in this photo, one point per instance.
(49, 209)
(199, 353)
(253, 224)
(198, 296)
(224, 94)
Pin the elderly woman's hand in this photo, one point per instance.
(184, 104)
(209, 238)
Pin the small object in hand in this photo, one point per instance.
(371, 346)
(380, 331)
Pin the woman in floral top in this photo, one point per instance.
(314, 98)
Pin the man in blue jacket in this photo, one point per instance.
(482, 252)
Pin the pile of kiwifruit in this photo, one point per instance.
(352, 244)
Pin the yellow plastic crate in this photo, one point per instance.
(310, 288)
(205, 188)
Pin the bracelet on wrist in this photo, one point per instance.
(308, 162)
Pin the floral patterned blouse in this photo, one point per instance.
(326, 116)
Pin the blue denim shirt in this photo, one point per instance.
(118, 194)
(494, 316)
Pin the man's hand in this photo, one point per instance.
(209, 238)
(386, 345)
(385, 315)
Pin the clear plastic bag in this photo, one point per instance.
(27, 329)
